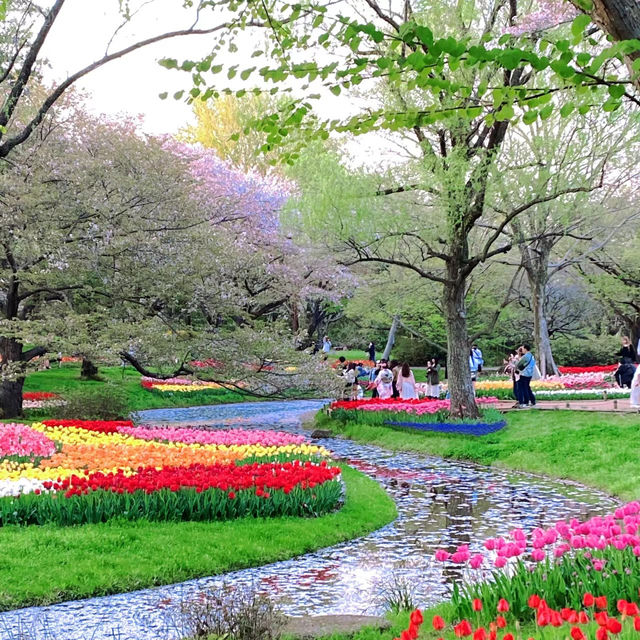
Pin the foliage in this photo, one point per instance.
(133, 555)
(242, 614)
(84, 403)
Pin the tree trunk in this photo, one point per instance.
(392, 337)
(461, 392)
(88, 371)
(10, 390)
(535, 260)
(546, 363)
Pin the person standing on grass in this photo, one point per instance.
(511, 370)
(326, 345)
(526, 366)
(383, 384)
(635, 390)
(371, 350)
(394, 365)
(406, 383)
(433, 379)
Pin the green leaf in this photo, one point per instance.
(579, 25)
(335, 89)
(168, 63)
(546, 112)
(567, 109)
(616, 91)
(178, 94)
(584, 109)
(530, 116)
(611, 105)
(244, 75)
(506, 113)
(163, 95)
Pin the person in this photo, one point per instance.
(625, 372)
(375, 371)
(473, 367)
(526, 366)
(383, 384)
(627, 350)
(371, 350)
(511, 370)
(635, 390)
(326, 345)
(361, 371)
(433, 378)
(406, 383)
(476, 354)
(341, 366)
(351, 381)
(394, 365)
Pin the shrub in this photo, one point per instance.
(241, 614)
(106, 402)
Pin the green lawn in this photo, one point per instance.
(597, 449)
(67, 378)
(42, 565)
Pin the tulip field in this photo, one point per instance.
(574, 580)
(72, 472)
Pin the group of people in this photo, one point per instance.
(387, 379)
(521, 366)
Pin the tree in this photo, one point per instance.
(590, 157)
(23, 35)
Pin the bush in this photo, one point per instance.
(106, 402)
(240, 614)
(416, 352)
(583, 352)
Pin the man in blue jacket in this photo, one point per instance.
(526, 365)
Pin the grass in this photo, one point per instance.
(597, 449)
(67, 378)
(43, 565)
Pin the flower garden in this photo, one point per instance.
(573, 383)
(543, 584)
(70, 472)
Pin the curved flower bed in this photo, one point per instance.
(178, 385)
(40, 399)
(419, 414)
(73, 471)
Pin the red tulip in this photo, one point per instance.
(583, 618)
(577, 634)
(621, 606)
(601, 618)
(631, 609)
(588, 600)
(413, 631)
(405, 636)
(601, 602)
(507, 636)
(480, 634)
(534, 601)
(463, 629)
(636, 623)
(501, 622)
(601, 634)
(477, 604)
(438, 623)
(416, 617)
(503, 605)
(613, 625)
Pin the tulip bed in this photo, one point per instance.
(568, 386)
(70, 472)
(557, 563)
(40, 400)
(179, 385)
(374, 411)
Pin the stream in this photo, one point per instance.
(441, 504)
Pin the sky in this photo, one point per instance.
(80, 35)
(132, 84)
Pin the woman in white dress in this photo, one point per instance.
(635, 389)
(406, 383)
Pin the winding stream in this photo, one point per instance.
(440, 503)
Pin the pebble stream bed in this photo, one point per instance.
(441, 503)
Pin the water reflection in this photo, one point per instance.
(441, 504)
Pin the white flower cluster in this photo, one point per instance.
(20, 486)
